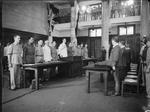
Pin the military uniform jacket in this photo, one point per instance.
(28, 54)
(39, 55)
(54, 53)
(122, 60)
(16, 52)
(114, 55)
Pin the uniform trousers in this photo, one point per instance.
(148, 85)
(148, 82)
(15, 76)
(119, 76)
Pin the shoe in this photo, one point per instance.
(146, 109)
(13, 89)
(18, 87)
(148, 96)
(47, 79)
(30, 86)
(116, 94)
(110, 93)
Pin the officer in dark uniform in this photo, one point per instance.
(28, 58)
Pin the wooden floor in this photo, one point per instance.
(69, 95)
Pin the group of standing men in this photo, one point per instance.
(72, 50)
(119, 60)
(30, 54)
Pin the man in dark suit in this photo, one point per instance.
(28, 58)
(113, 61)
(114, 58)
(121, 67)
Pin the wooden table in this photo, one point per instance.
(94, 69)
(75, 65)
(40, 66)
(87, 60)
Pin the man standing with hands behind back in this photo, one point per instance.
(62, 49)
(15, 53)
(39, 55)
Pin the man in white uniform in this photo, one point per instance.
(47, 58)
(15, 53)
(62, 49)
(47, 52)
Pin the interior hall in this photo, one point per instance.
(75, 55)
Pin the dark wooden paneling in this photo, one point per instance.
(94, 45)
(83, 40)
(7, 35)
(97, 47)
(134, 44)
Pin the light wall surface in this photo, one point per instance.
(84, 32)
(25, 16)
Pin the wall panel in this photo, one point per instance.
(25, 16)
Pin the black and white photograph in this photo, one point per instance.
(75, 56)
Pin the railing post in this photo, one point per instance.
(73, 24)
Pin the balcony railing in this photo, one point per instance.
(90, 16)
(117, 11)
(125, 12)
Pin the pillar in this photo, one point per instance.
(50, 19)
(145, 21)
(74, 14)
(105, 25)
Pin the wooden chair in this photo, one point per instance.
(132, 78)
(133, 72)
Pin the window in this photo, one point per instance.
(122, 31)
(95, 32)
(130, 30)
(126, 30)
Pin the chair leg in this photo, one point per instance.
(122, 89)
(9, 81)
(137, 89)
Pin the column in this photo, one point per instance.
(105, 25)
(50, 19)
(74, 14)
(145, 21)
(149, 16)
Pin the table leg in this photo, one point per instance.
(105, 82)
(88, 74)
(37, 79)
(101, 77)
(24, 78)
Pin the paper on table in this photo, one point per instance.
(28, 64)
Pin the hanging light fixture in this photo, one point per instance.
(130, 2)
(127, 3)
(83, 8)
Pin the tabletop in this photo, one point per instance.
(46, 64)
(97, 68)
